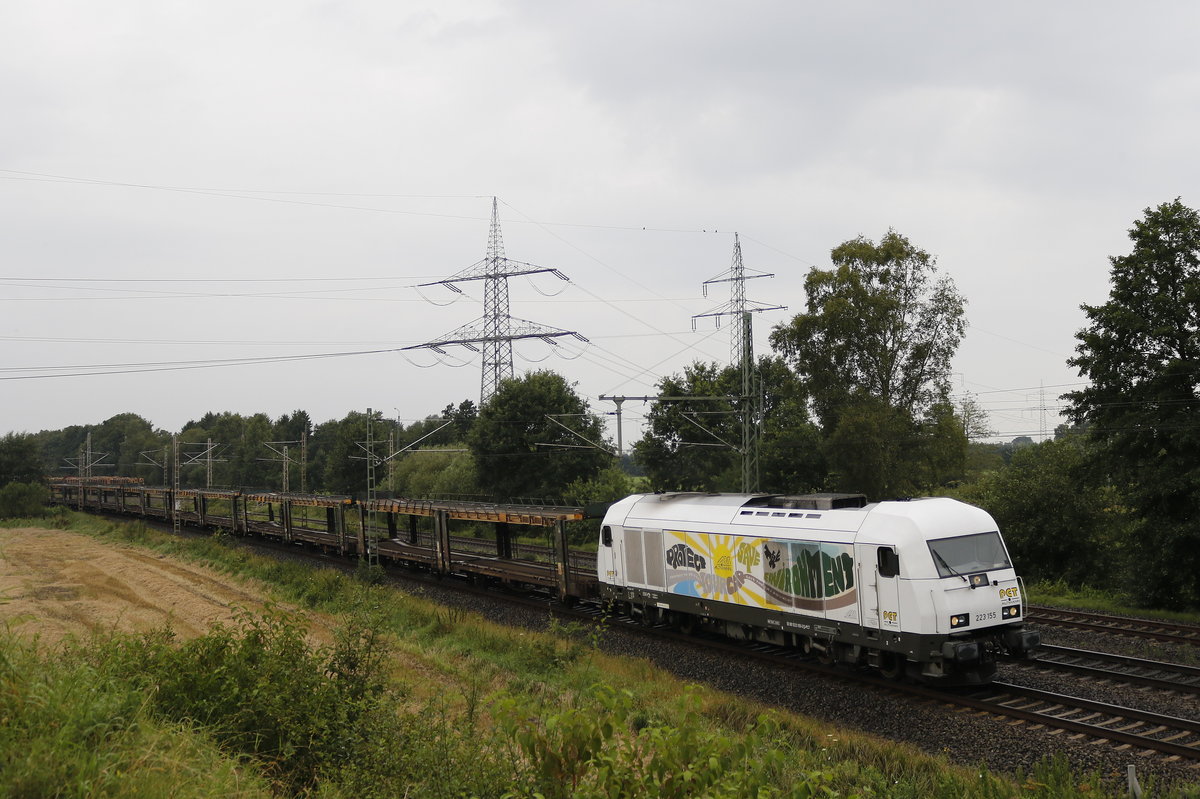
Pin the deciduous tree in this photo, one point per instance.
(689, 443)
(534, 437)
(23, 500)
(20, 459)
(693, 445)
(1141, 353)
(872, 351)
(1059, 522)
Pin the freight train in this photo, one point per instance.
(923, 588)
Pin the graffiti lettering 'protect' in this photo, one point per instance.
(681, 556)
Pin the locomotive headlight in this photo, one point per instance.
(1010, 611)
(961, 620)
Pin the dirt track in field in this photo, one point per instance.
(55, 584)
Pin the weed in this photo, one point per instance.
(369, 573)
(321, 587)
(70, 729)
(330, 722)
(471, 696)
(445, 620)
(592, 751)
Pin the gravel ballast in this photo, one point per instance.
(964, 737)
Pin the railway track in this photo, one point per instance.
(1137, 730)
(1116, 668)
(1125, 727)
(1151, 629)
(1140, 731)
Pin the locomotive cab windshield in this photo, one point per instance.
(966, 555)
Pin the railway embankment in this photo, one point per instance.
(502, 704)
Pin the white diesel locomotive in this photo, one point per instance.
(921, 587)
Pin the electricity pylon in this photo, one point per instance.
(496, 330)
(742, 356)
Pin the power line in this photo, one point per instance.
(233, 194)
(323, 295)
(245, 342)
(1031, 388)
(258, 194)
(174, 366)
(202, 279)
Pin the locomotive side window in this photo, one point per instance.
(958, 556)
(888, 561)
(606, 535)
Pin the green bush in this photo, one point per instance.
(320, 719)
(68, 729)
(261, 691)
(1058, 521)
(594, 750)
(23, 501)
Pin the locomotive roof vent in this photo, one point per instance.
(822, 501)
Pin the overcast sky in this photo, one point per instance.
(206, 181)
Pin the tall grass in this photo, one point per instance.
(415, 699)
(68, 729)
(1099, 600)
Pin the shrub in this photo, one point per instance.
(23, 500)
(69, 729)
(262, 692)
(593, 750)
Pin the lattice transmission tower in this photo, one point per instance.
(494, 332)
(742, 355)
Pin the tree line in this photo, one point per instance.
(854, 396)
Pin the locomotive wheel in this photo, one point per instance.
(684, 623)
(891, 665)
(825, 656)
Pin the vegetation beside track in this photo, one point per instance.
(413, 698)
(1060, 595)
(71, 729)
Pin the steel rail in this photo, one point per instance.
(1151, 673)
(1056, 711)
(1059, 706)
(1153, 629)
(1001, 699)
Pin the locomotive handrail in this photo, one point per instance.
(937, 621)
(878, 604)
